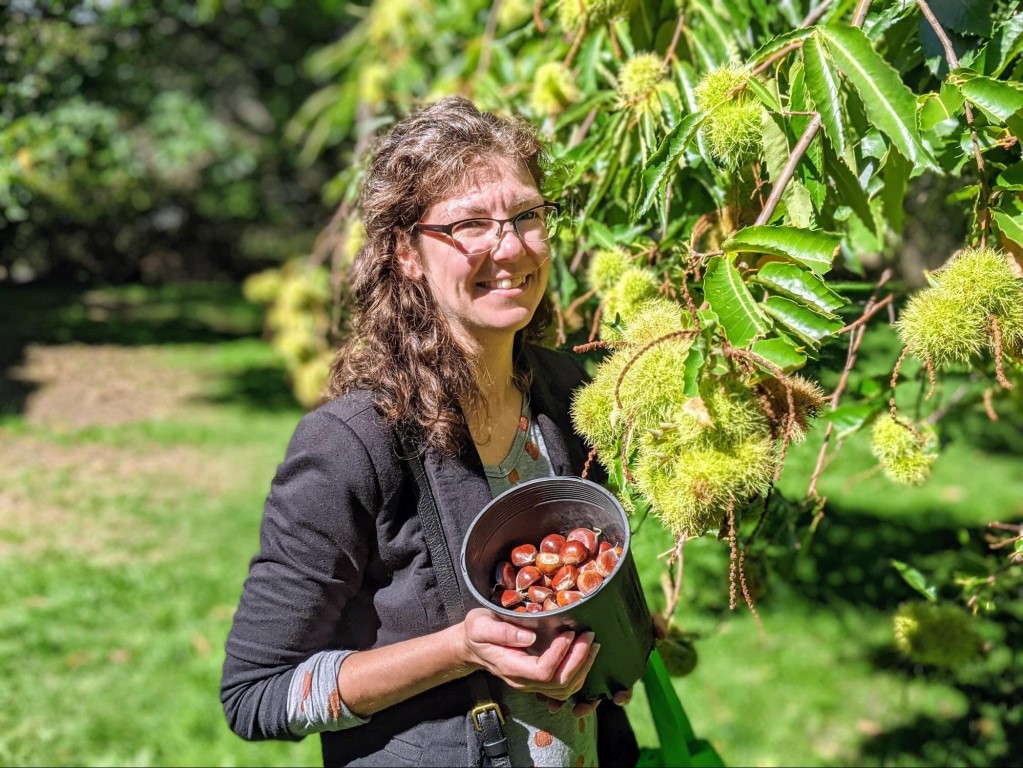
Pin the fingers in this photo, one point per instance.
(483, 626)
(621, 698)
(584, 708)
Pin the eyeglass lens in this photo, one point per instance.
(534, 226)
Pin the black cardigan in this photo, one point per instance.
(343, 563)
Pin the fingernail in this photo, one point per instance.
(525, 636)
(588, 636)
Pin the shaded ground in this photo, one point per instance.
(77, 385)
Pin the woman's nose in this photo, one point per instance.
(509, 244)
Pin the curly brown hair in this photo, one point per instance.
(401, 348)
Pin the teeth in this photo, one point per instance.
(505, 283)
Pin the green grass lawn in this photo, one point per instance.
(123, 546)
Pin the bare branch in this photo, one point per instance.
(679, 26)
(953, 63)
(860, 14)
(868, 314)
(815, 15)
(790, 168)
(487, 44)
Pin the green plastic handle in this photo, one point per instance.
(679, 745)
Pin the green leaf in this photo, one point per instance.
(998, 98)
(822, 83)
(1012, 177)
(772, 47)
(916, 580)
(665, 159)
(795, 282)
(781, 352)
(896, 173)
(815, 249)
(848, 187)
(802, 321)
(735, 306)
(890, 105)
(849, 418)
(691, 376)
(1010, 226)
(761, 91)
(798, 205)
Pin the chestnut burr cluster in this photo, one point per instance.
(561, 570)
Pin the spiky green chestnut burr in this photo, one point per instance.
(654, 319)
(940, 327)
(513, 14)
(982, 277)
(690, 492)
(939, 635)
(553, 89)
(951, 321)
(606, 268)
(635, 286)
(905, 457)
(641, 81)
(572, 13)
(733, 125)
(592, 408)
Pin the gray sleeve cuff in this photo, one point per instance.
(314, 703)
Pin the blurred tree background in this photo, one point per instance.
(177, 212)
(143, 141)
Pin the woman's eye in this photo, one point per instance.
(528, 216)
(473, 226)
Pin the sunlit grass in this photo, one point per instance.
(124, 552)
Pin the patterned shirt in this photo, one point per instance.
(535, 735)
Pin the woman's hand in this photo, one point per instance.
(501, 648)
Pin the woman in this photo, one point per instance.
(342, 628)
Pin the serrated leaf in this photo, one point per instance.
(665, 159)
(797, 283)
(802, 321)
(765, 96)
(996, 97)
(931, 110)
(1011, 226)
(847, 419)
(728, 296)
(798, 205)
(890, 104)
(896, 173)
(813, 248)
(848, 187)
(774, 46)
(1011, 177)
(691, 375)
(916, 580)
(822, 83)
(781, 352)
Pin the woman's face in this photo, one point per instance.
(474, 292)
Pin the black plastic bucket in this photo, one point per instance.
(616, 611)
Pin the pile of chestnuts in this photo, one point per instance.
(558, 572)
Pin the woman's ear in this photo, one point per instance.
(408, 260)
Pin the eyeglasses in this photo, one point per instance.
(474, 237)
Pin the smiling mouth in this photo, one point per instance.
(505, 283)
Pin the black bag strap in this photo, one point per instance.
(486, 714)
